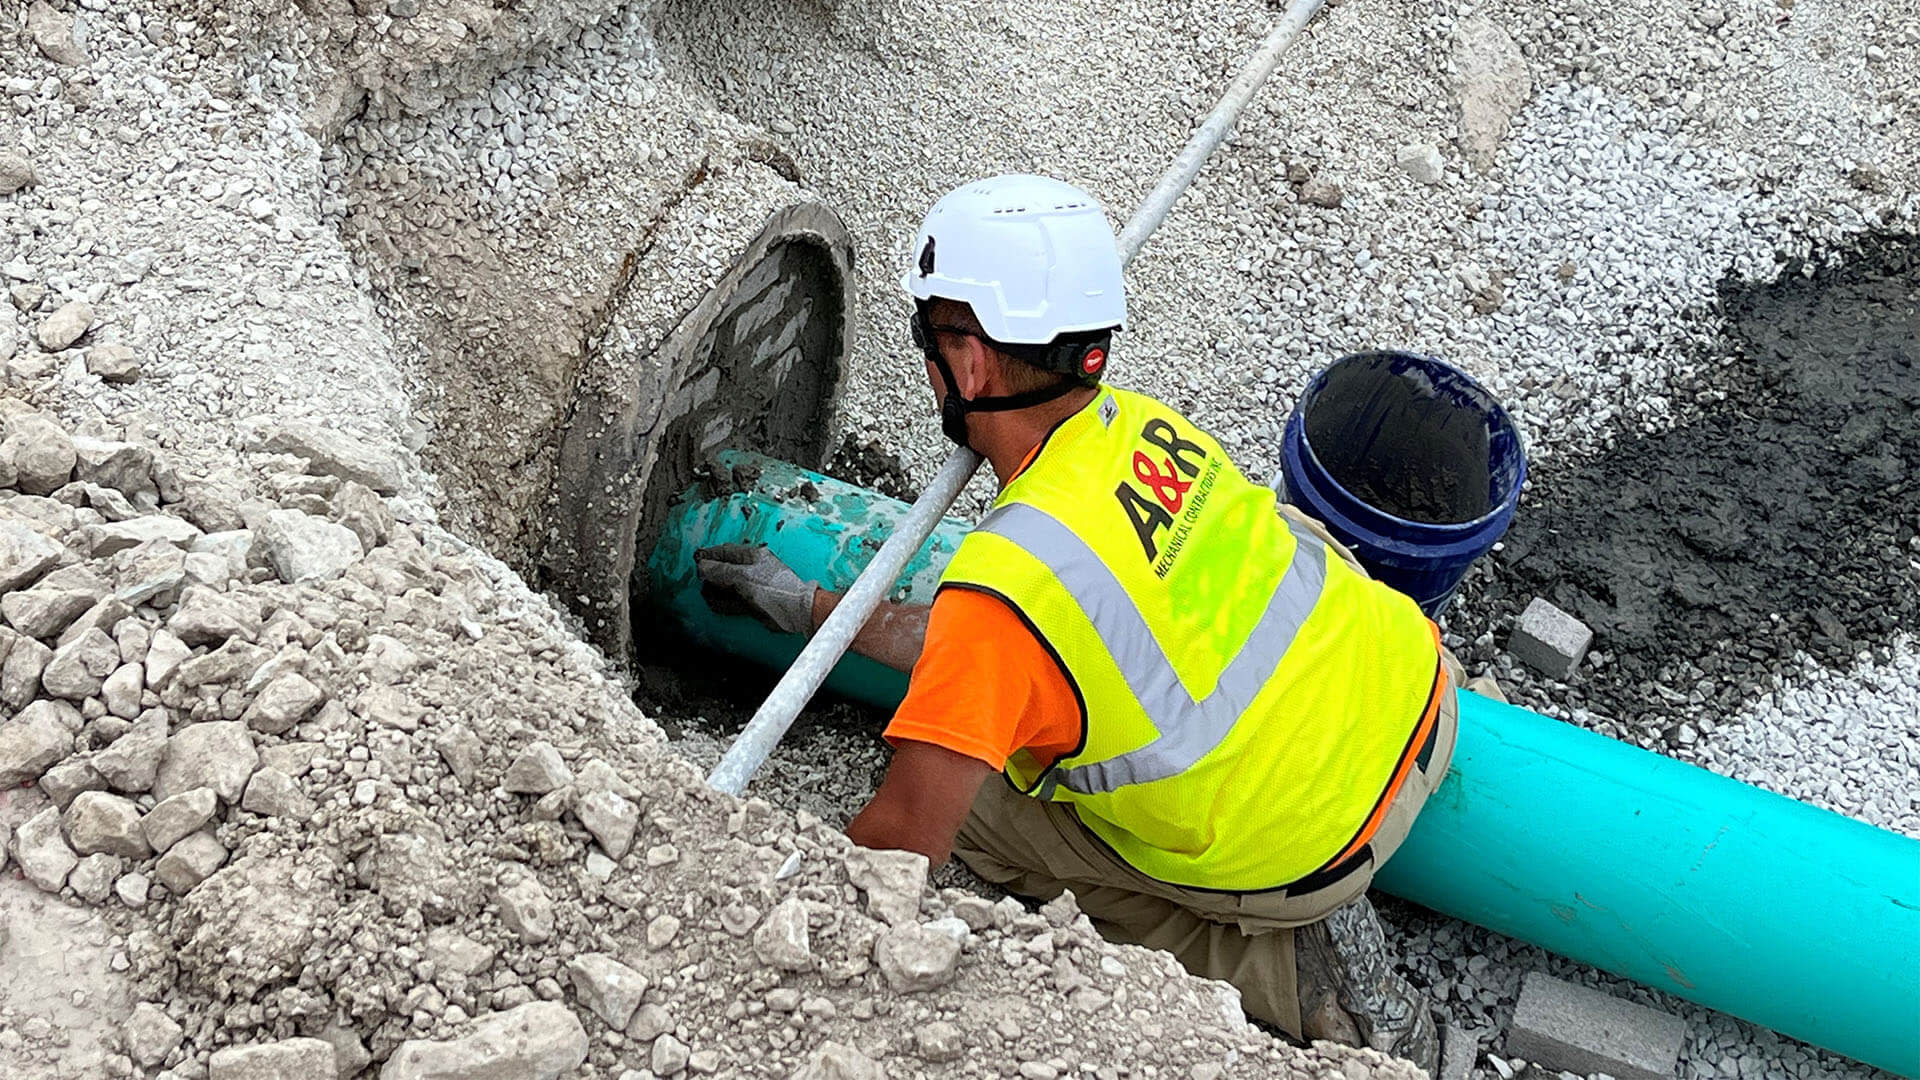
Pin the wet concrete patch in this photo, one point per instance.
(1781, 518)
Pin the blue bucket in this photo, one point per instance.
(1409, 462)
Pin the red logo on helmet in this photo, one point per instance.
(1096, 359)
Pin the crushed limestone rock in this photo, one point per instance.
(41, 852)
(892, 880)
(290, 1059)
(540, 1040)
(340, 866)
(152, 1034)
(608, 987)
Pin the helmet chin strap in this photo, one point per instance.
(955, 408)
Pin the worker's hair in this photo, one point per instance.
(1020, 375)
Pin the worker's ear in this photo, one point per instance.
(974, 367)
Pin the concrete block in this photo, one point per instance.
(1577, 1030)
(1549, 640)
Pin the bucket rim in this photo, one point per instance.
(1506, 505)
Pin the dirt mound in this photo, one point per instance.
(1780, 518)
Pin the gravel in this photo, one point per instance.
(1840, 739)
(222, 220)
(1574, 265)
(499, 787)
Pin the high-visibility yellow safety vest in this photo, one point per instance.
(1248, 698)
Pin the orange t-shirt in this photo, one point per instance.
(986, 687)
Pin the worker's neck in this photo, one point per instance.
(1005, 439)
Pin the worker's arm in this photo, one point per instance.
(894, 633)
(925, 797)
(748, 579)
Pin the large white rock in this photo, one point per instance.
(16, 172)
(526, 909)
(231, 664)
(52, 32)
(893, 881)
(916, 958)
(301, 547)
(25, 553)
(41, 452)
(233, 545)
(42, 852)
(98, 822)
(114, 363)
(132, 762)
(116, 536)
(172, 820)
(208, 617)
(669, 1056)
(69, 322)
(1492, 85)
(150, 573)
(611, 819)
(538, 770)
(151, 1034)
(20, 674)
(451, 950)
(81, 666)
(782, 941)
(331, 452)
(92, 879)
(286, 700)
(272, 793)
(541, 1040)
(121, 691)
(125, 467)
(189, 862)
(34, 741)
(43, 612)
(289, 1059)
(607, 986)
(165, 653)
(218, 754)
(1422, 161)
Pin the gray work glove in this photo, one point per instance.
(747, 579)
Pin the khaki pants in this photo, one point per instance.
(1039, 849)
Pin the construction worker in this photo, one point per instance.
(1213, 726)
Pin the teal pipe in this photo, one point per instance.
(1782, 914)
(824, 528)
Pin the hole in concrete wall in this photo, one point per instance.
(763, 378)
(1780, 519)
(754, 363)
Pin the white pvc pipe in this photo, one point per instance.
(831, 641)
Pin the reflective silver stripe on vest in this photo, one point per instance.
(1189, 730)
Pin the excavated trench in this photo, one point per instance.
(676, 291)
(1777, 520)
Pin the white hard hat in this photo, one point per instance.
(1032, 256)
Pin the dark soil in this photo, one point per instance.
(1782, 518)
(718, 694)
(872, 466)
(1399, 444)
